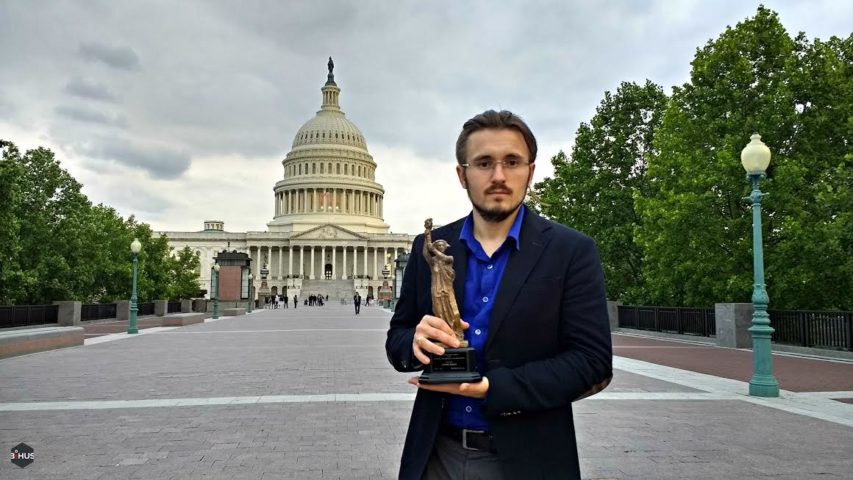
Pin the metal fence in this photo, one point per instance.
(816, 329)
(685, 321)
(97, 311)
(26, 315)
(145, 308)
(173, 307)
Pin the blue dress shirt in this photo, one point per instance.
(481, 285)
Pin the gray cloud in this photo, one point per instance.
(85, 114)
(87, 88)
(162, 163)
(117, 57)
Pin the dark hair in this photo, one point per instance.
(491, 119)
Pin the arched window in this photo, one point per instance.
(300, 169)
(346, 169)
(359, 170)
(338, 168)
(330, 168)
(313, 168)
(321, 168)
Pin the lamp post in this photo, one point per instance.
(251, 300)
(135, 247)
(755, 158)
(401, 261)
(216, 291)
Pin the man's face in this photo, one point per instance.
(496, 194)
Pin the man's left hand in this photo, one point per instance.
(473, 390)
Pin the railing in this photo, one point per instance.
(97, 311)
(145, 308)
(173, 307)
(685, 321)
(26, 315)
(831, 330)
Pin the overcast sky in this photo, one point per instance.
(179, 112)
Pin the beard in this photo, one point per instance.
(496, 214)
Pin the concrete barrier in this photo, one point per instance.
(233, 312)
(181, 319)
(31, 340)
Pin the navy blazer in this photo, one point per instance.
(548, 345)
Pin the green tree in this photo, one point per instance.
(594, 190)
(185, 274)
(696, 229)
(55, 245)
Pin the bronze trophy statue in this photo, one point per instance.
(457, 364)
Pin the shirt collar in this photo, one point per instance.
(467, 233)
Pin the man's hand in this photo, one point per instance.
(429, 330)
(473, 390)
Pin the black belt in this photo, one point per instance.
(471, 439)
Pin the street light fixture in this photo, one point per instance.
(755, 158)
(251, 300)
(135, 247)
(216, 291)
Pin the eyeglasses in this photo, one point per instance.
(488, 165)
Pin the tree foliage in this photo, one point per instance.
(696, 232)
(56, 245)
(593, 190)
(680, 232)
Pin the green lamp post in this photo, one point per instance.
(135, 247)
(215, 291)
(755, 158)
(250, 300)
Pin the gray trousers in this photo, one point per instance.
(449, 461)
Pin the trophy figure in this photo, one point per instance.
(457, 364)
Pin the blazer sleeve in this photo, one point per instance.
(584, 363)
(407, 315)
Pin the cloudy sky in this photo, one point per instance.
(182, 111)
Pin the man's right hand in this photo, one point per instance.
(429, 330)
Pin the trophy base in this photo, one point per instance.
(455, 366)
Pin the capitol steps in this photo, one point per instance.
(335, 289)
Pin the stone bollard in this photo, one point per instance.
(123, 310)
(69, 313)
(186, 306)
(613, 314)
(733, 321)
(161, 307)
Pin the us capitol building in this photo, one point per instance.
(328, 235)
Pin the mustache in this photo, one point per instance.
(500, 189)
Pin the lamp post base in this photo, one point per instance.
(763, 386)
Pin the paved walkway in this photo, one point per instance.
(308, 394)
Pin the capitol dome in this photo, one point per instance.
(329, 176)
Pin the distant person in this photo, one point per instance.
(294, 302)
(356, 300)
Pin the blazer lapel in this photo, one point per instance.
(534, 238)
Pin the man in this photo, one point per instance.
(356, 300)
(531, 295)
(294, 302)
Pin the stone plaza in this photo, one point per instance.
(307, 393)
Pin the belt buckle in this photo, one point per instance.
(465, 433)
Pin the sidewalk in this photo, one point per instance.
(309, 394)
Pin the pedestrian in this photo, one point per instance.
(294, 302)
(356, 300)
(537, 351)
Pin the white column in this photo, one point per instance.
(290, 261)
(344, 270)
(313, 206)
(375, 254)
(364, 272)
(280, 254)
(334, 260)
(302, 261)
(312, 262)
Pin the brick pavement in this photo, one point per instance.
(308, 393)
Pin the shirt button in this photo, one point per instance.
(468, 409)
(477, 331)
(485, 299)
(489, 267)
